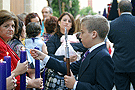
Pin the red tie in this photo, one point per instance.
(86, 53)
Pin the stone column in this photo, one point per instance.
(1, 4)
(28, 6)
(34, 6)
(5, 4)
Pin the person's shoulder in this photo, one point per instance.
(14, 42)
(3, 47)
(104, 56)
(115, 20)
(103, 51)
(53, 37)
(2, 44)
(39, 39)
(133, 17)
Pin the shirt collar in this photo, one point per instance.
(125, 13)
(95, 46)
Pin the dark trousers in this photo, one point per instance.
(123, 80)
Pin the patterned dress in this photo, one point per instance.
(46, 37)
(16, 45)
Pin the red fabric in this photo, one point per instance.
(14, 58)
(110, 50)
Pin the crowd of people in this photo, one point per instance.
(95, 70)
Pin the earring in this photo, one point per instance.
(59, 24)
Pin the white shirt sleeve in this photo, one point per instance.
(46, 59)
(75, 85)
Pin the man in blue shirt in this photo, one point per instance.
(46, 12)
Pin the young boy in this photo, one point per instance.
(96, 69)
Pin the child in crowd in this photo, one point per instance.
(33, 40)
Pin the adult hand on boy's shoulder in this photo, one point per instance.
(69, 80)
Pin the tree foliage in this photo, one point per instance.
(86, 11)
(57, 7)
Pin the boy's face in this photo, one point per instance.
(86, 37)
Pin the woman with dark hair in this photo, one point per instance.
(32, 17)
(60, 26)
(50, 25)
(65, 20)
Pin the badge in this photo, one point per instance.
(53, 85)
(50, 79)
(58, 82)
(54, 80)
(48, 84)
(62, 83)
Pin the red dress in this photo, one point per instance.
(14, 58)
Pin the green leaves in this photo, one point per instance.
(57, 7)
(86, 11)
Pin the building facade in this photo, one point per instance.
(21, 6)
(90, 3)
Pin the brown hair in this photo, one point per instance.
(30, 16)
(20, 29)
(50, 24)
(71, 31)
(125, 6)
(6, 15)
(33, 29)
(77, 25)
(22, 16)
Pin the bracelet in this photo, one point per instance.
(26, 84)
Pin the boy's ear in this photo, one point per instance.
(94, 34)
